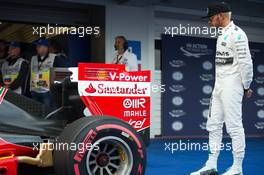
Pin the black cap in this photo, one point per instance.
(15, 44)
(216, 8)
(42, 42)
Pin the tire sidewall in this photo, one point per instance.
(92, 132)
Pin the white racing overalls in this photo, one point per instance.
(234, 73)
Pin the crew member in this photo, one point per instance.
(55, 47)
(14, 70)
(123, 56)
(234, 73)
(40, 79)
(3, 51)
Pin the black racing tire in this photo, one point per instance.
(111, 147)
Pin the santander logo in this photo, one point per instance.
(102, 88)
(90, 89)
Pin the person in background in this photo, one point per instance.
(123, 56)
(3, 51)
(40, 76)
(14, 70)
(55, 47)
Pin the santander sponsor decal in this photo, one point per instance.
(90, 89)
(111, 91)
(106, 88)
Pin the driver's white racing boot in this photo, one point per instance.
(206, 170)
(233, 171)
(210, 167)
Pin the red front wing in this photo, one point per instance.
(8, 156)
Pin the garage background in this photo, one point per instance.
(138, 20)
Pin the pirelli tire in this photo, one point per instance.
(99, 146)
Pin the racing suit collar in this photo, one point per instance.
(228, 26)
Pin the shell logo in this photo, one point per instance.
(102, 75)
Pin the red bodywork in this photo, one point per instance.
(126, 96)
(8, 156)
(110, 90)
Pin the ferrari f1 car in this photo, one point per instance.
(37, 139)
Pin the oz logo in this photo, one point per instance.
(177, 76)
(261, 114)
(261, 91)
(207, 65)
(134, 103)
(260, 68)
(207, 89)
(205, 113)
(177, 126)
(177, 101)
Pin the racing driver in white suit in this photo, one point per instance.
(234, 74)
